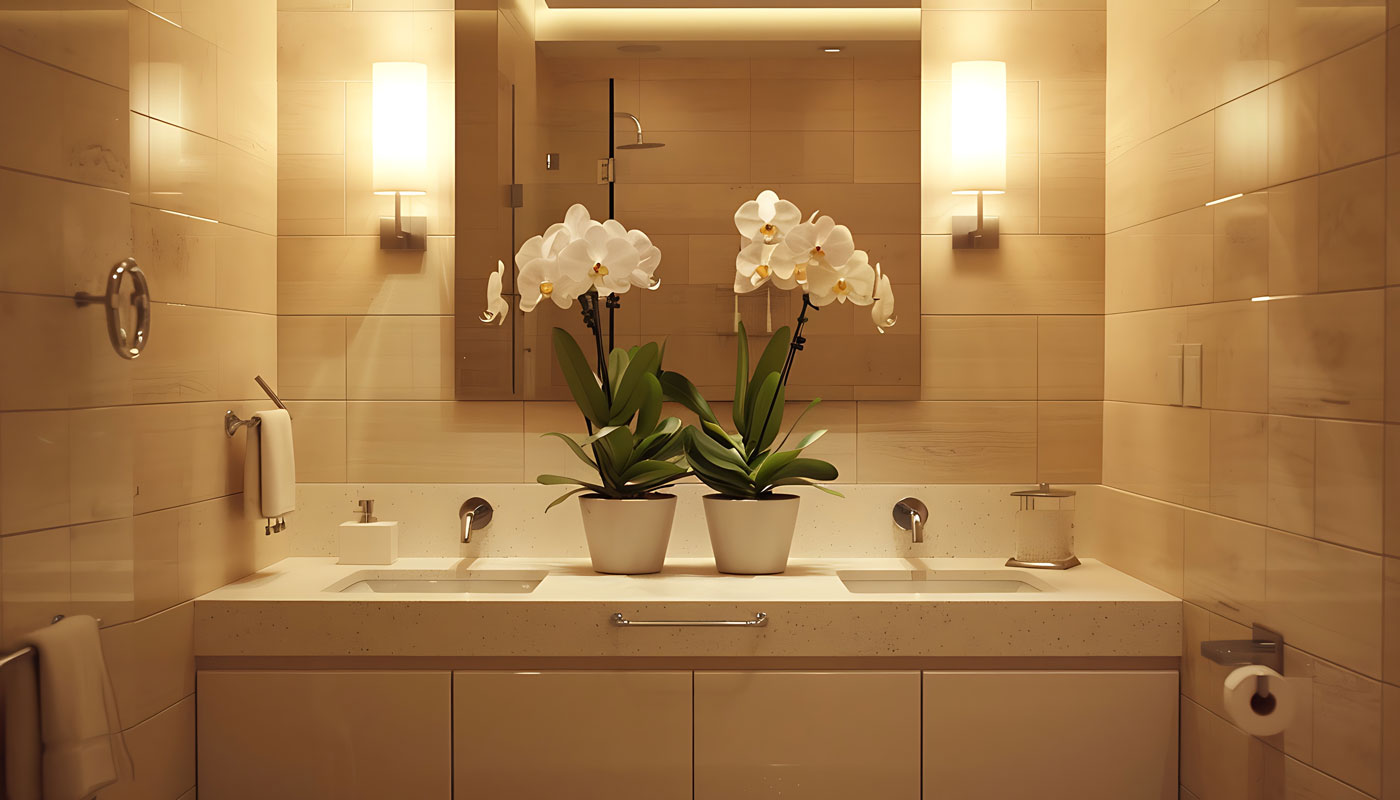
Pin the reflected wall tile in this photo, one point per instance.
(1241, 251)
(177, 254)
(827, 156)
(1326, 600)
(1178, 438)
(1225, 566)
(703, 105)
(947, 442)
(103, 576)
(1293, 237)
(978, 358)
(399, 358)
(53, 231)
(1351, 107)
(183, 69)
(1349, 491)
(804, 104)
(35, 586)
(887, 104)
(1239, 465)
(1351, 228)
(1069, 442)
(247, 99)
(1293, 126)
(100, 488)
(155, 544)
(724, 157)
(425, 442)
(151, 662)
(1292, 471)
(184, 171)
(886, 157)
(34, 470)
(1325, 355)
(247, 189)
(245, 266)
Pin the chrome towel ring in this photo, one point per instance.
(127, 344)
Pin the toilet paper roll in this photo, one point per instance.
(1260, 701)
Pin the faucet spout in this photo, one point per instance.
(911, 515)
(475, 514)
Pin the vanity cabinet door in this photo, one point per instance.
(582, 735)
(813, 735)
(313, 735)
(1050, 735)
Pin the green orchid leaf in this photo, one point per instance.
(649, 410)
(630, 380)
(678, 389)
(647, 471)
(741, 378)
(574, 446)
(617, 367)
(770, 363)
(805, 482)
(772, 465)
(565, 496)
(598, 434)
(811, 468)
(583, 384)
(813, 404)
(768, 415)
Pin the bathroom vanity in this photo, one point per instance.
(522, 678)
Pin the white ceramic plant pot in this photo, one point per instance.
(628, 537)
(751, 537)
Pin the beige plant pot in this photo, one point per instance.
(751, 537)
(628, 537)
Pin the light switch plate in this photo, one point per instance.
(1174, 381)
(1191, 375)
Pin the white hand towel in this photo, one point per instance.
(270, 455)
(77, 710)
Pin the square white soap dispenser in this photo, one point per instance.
(369, 540)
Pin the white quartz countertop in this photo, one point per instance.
(294, 609)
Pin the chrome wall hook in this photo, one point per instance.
(128, 344)
(232, 423)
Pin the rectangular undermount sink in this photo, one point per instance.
(931, 582)
(481, 582)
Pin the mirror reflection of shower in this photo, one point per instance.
(641, 143)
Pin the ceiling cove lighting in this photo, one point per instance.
(400, 120)
(1225, 199)
(978, 119)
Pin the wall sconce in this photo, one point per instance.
(401, 148)
(979, 146)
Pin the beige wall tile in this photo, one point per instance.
(1140, 536)
(1391, 613)
(1069, 439)
(1392, 232)
(947, 442)
(1302, 33)
(184, 171)
(320, 440)
(1239, 465)
(801, 156)
(1234, 351)
(310, 118)
(311, 195)
(1351, 106)
(351, 275)
(1390, 744)
(311, 357)
(1139, 351)
(978, 358)
(247, 188)
(1064, 45)
(1072, 117)
(183, 71)
(246, 270)
(434, 442)
(1225, 566)
(1293, 126)
(1072, 193)
(156, 542)
(1325, 355)
(103, 577)
(56, 230)
(1392, 490)
(342, 47)
(1292, 467)
(1293, 237)
(1026, 275)
(886, 157)
(151, 662)
(715, 157)
(1178, 438)
(164, 746)
(1347, 726)
(183, 455)
(248, 99)
(806, 104)
(1165, 262)
(1218, 760)
(1164, 175)
(701, 105)
(399, 358)
(1242, 144)
(887, 104)
(34, 470)
(1241, 252)
(1070, 362)
(1350, 466)
(1325, 599)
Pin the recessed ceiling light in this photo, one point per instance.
(831, 49)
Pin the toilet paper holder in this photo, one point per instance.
(1265, 649)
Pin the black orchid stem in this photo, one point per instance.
(614, 302)
(588, 306)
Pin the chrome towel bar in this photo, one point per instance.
(10, 658)
(760, 620)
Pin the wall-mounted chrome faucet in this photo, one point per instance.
(911, 514)
(475, 515)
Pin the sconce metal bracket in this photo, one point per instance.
(402, 233)
(967, 236)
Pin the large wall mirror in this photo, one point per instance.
(671, 137)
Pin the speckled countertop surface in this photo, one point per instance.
(294, 609)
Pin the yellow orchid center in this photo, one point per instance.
(800, 273)
(762, 270)
(841, 287)
(546, 288)
(817, 251)
(768, 229)
(599, 269)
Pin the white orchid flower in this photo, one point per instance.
(649, 258)
(577, 222)
(821, 243)
(546, 278)
(496, 306)
(767, 219)
(882, 309)
(603, 257)
(853, 281)
(758, 263)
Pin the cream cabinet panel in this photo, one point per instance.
(614, 735)
(812, 735)
(307, 735)
(1050, 735)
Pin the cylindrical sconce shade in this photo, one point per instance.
(400, 128)
(979, 127)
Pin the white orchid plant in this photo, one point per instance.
(631, 448)
(820, 258)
